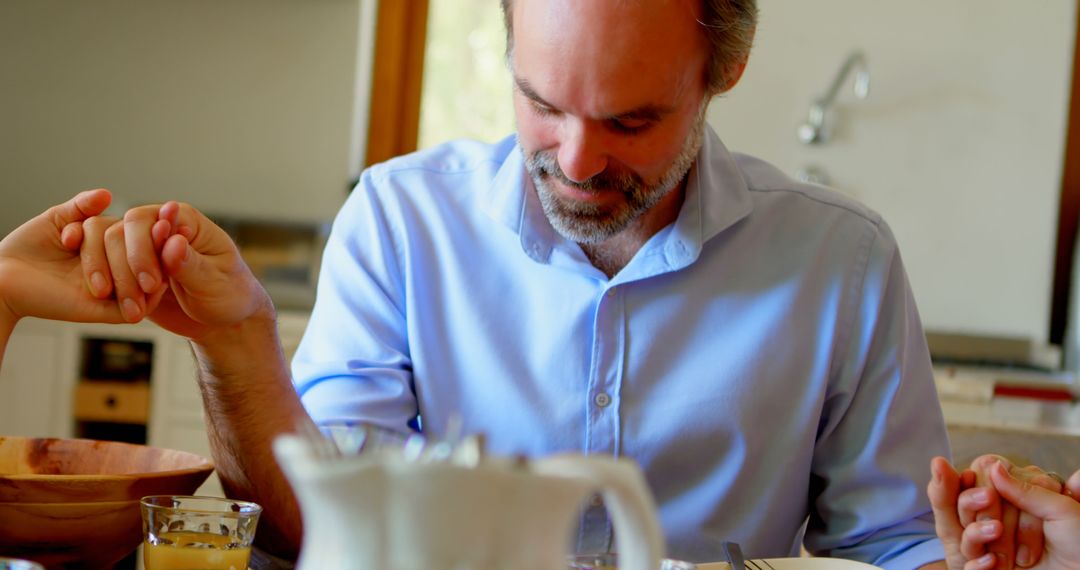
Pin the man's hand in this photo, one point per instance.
(179, 269)
(40, 274)
(173, 264)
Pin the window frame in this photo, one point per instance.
(397, 79)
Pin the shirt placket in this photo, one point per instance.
(602, 405)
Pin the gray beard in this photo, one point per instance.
(587, 223)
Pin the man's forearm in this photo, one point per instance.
(249, 401)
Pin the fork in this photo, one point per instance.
(735, 558)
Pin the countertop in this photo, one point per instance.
(1026, 430)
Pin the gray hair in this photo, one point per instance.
(729, 27)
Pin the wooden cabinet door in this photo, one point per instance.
(36, 381)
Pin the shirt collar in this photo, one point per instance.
(716, 198)
(504, 200)
(716, 191)
(512, 202)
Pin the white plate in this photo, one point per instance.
(796, 564)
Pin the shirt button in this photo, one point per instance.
(611, 292)
(602, 400)
(597, 500)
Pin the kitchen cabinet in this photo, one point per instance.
(37, 380)
(42, 393)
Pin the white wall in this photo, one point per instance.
(959, 146)
(243, 107)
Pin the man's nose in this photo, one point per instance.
(581, 153)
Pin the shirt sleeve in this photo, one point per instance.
(881, 425)
(353, 362)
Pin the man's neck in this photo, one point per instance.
(613, 254)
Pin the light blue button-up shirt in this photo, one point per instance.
(761, 358)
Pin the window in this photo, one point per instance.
(466, 87)
(438, 74)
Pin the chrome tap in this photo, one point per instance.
(816, 128)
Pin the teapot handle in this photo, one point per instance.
(633, 512)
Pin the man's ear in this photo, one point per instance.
(733, 75)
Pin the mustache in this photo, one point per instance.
(544, 163)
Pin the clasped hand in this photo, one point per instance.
(172, 264)
(997, 515)
(167, 262)
(40, 269)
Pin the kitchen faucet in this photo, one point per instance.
(816, 128)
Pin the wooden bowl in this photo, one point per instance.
(70, 535)
(36, 470)
(74, 503)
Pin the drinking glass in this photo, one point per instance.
(210, 533)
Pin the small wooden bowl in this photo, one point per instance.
(36, 470)
(74, 503)
(70, 535)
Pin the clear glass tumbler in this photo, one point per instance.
(210, 533)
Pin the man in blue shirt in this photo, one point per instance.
(611, 281)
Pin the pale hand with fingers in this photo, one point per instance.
(944, 493)
(972, 520)
(965, 539)
(40, 274)
(996, 526)
(1058, 512)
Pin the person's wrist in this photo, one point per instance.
(8, 320)
(8, 316)
(242, 347)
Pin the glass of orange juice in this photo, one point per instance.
(207, 533)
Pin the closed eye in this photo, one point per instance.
(542, 109)
(629, 126)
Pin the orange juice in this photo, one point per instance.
(194, 551)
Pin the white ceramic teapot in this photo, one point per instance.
(385, 511)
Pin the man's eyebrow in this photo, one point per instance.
(650, 112)
(526, 89)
